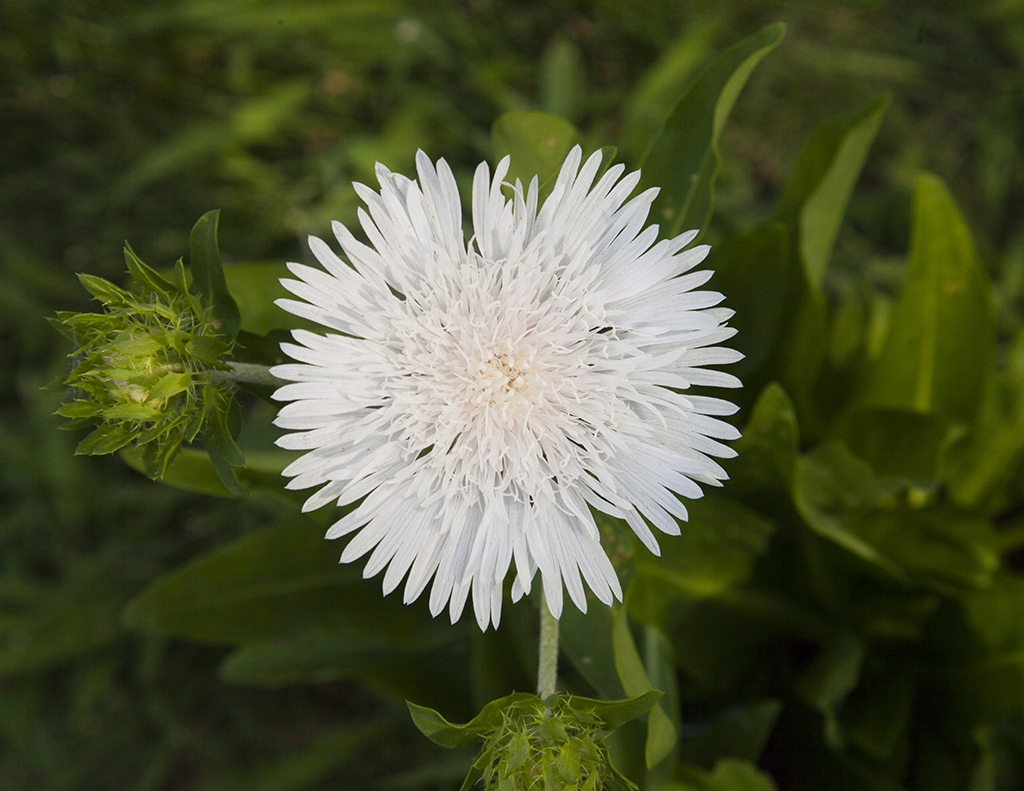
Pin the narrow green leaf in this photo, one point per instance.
(219, 441)
(938, 356)
(145, 275)
(208, 274)
(107, 438)
(815, 199)
(587, 641)
(661, 733)
(683, 158)
(170, 385)
(832, 485)
(537, 143)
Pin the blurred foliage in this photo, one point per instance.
(845, 614)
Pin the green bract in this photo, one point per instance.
(535, 743)
(145, 369)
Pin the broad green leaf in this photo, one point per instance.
(279, 582)
(208, 274)
(980, 469)
(612, 714)
(430, 674)
(715, 552)
(447, 734)
(938, 357)
(985, 655)
(832, 485)
(823, 178)
(682, 159)
(876, 717)
(661, 733)
(537, 143)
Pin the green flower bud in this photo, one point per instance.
(144, 370)
(548, 745)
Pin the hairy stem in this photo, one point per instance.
(250, 374)
(547, 665)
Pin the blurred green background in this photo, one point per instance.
(128, 120)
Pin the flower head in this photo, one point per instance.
(478, 400)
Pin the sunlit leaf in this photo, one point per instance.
(939, 353)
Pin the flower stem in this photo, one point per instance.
(547, 665)
(249, 373)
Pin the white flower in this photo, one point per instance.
(479, 399)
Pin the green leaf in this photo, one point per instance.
(145, 275)
(938, 356)
(768, 451)
(105, 439)
(60, 623)
(191, 470)
(440, 731)
(612, 714)
(537, 143)
(715, 552)
(937, 546)
(982, 469)
(661, 733)
(429, 673)
(683, 158)
(823, 178)
(218, 439)
(831, 486)
(170, 385)
(281, 581)
(897, 443)
(208, 274)
(587, 641)
(756, 272)
(105, 291)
